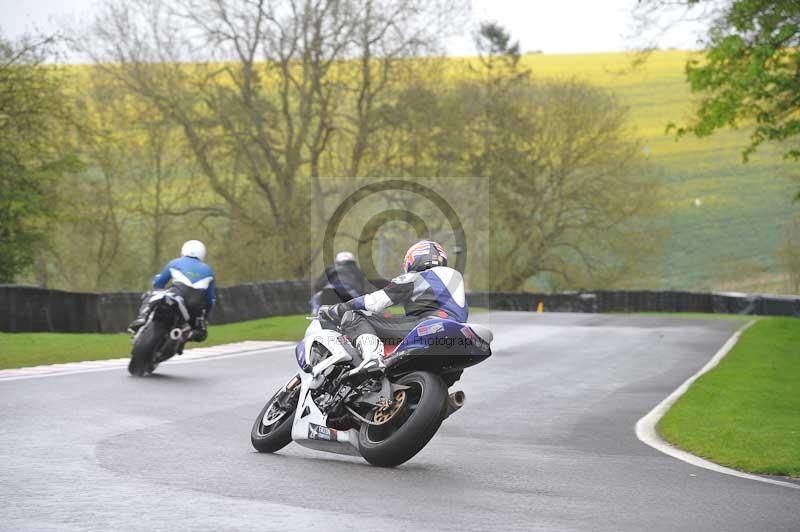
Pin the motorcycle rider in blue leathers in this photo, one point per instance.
(192, 279)
(429, 288)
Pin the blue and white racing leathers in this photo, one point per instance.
(193, 279)
(438, 291)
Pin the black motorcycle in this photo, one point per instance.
(166, 330)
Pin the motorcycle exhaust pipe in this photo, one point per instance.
(454, 402)
(176, 334)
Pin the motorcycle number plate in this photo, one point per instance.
(318, 432)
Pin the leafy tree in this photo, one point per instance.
(750, 72)
(33, 111)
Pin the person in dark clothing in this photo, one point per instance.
(344, 277)
(429, 288)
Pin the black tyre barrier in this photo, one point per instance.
(34, 309)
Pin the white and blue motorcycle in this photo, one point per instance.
(387, 416)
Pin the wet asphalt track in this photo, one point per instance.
(545, 442)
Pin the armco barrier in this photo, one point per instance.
(33, 309)
(641, 301)
(28, 308)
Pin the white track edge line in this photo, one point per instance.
(647, 433)
(59, 373)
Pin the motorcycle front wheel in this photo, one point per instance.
(272, 430)
(406, 426)
(146, 344)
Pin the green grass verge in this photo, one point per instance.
(745, 413)
(693, 315)
(32, 349)
(19, 350)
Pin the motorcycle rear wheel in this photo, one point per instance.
(278, 434)
(410, 429)
(146, 344)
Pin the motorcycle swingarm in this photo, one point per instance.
(383, 396)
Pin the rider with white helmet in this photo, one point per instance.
(194, 280)
(428, 288)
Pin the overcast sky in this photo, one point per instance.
(560, 26)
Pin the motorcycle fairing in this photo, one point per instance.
(326, 338)
(442, 343)
(171, 299)
(310, 425)
(310, 428)
(440, 334)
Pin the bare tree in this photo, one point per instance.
(569, 154)
(261, 89)
(789, 255)
(572, 199)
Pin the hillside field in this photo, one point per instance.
(725, 218)
(729, 241)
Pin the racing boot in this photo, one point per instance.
(141, 319)
(371, 349)
(199, 331)
(136, 325)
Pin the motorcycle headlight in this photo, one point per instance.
(318, 354)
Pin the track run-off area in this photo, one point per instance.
(546, 441)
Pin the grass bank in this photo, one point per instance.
(745, 413)
(19, 350)
(692, 315)
(32, 349)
